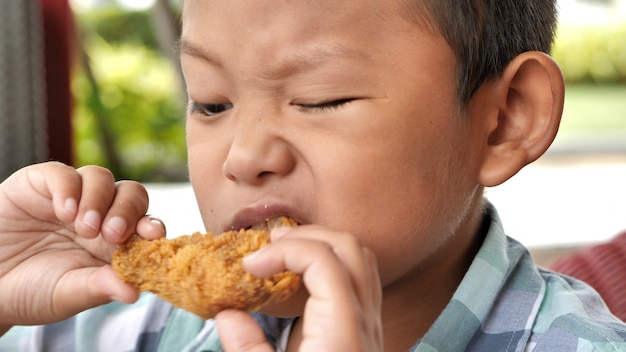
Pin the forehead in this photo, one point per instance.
(342, 16)
(270, 30)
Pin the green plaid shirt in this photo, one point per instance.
(504, 303)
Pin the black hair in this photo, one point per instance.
(486, 35)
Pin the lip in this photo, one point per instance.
(256, 214)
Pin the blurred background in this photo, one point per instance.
(98, 82)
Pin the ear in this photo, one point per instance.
(523, 112)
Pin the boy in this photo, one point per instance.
(375, 124)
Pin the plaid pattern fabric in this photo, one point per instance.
(504, 303)
(602, 267)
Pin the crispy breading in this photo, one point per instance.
(203, 273)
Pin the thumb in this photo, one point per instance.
(240, 332)
(100, 285)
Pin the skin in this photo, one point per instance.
(396, 166)
(341, 115)
(59, 227)
(322, 118)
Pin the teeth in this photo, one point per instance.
(273, 223)
(261, 226)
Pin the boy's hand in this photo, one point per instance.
(58, 230)
(343, 311)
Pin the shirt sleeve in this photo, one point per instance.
(112, 327)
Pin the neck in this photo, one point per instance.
(412, 304)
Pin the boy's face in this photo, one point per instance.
(338, 113)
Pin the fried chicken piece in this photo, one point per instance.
(203, 273)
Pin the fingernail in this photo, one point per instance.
(279, 232)
(71, 206)
(248, 258)
(117, 224)
(157, 222)
(117, 298)
(92, 219)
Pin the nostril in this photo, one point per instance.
(265, 174)
(227, 172)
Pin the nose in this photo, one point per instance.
(258, 152)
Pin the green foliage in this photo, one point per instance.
(594, 110)
(592, 53)
(136, 107)
(132, 121)
(119, 27)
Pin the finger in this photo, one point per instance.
(127, 207)
(377, 292)
(90, 287)
(65, 187)
(332, 315)
(376, 327)
(342, 278)
(312, 258)
(240, 332)
(97, 193)
(105, 285)
(151, 228)
(359, 260)
(324, 275)
(353, 255)
(362, 269)
(34, 185)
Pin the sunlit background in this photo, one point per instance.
(128, 5)
(572, 196)
(128, 107)
(124, 42)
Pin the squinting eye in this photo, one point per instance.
(328, 105)
(210, 109)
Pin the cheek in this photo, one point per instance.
(205, 159)
(198, 151)
(403, 196)
(365, 188)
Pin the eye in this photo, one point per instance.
(210, 109)
(327, 105)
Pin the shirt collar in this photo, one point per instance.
(488, 288)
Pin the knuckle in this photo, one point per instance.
(55, 164)
(132, 186)
(96, 171)
(370, 255)
(352, 242)
(322, 248)
(132, 197)
(51, 168)
(128, 206)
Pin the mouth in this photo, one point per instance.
(272, 223)
(265, 216)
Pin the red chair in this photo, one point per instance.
(602, 266)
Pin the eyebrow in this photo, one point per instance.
(296, 63)
(188, 48)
